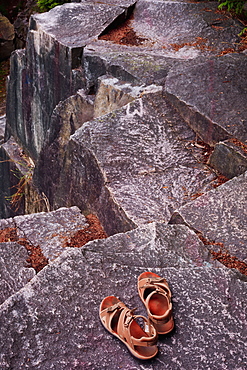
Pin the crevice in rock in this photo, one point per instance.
(121, 25)
(36, 258)
(121, 31)
(92, 232)
(223, 255)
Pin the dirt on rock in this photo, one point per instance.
(223, 255)
(123, 34)
(36, 258)
(92, 232)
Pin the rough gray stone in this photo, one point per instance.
(165, 245)
(212, 102)
(229, 159)
(75, 25)
(166, 23)
(50, 230)
(113, 94)
(135, 156)
(14, 273)
(144, 159)
(49, 71)
(220, 216)
(60, 306)
(69, 115)
(102, 57)
(173, 32)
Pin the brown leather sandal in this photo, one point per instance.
(156, 296)
(120, 321)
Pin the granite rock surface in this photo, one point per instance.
(124, 108)
(212, 102)
(60, 306)
(136, 156)
(220, 216)
(14, 273)
(229, 158)
(48, 230)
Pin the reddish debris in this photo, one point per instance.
(221, 179)
(92, 232)
(36, 259)
(123, 34)
(224, 256)
(200, 43)
(239, 144)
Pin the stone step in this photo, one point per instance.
(130, 167)
(60, 306)
(213, 103)
(50, 231)
(220, 216)
(14, 270)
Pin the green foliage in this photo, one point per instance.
(232, 5)
(242, 32)
(45, 5)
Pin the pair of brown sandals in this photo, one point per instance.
(138, 333)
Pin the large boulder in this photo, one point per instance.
(7, 35)
(212, 102)
(49, 70)
(220, 217)
(129, 167)
(53, 322)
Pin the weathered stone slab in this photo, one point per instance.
(69, 115)
(159, 35)
(49, 71)
(229, 158)
(140, 149)
(213, 102)
(220, 216)
(113, 94)
(60, 306)
(76, 24)
(14, 273)
(169, 22)
(101, 58)
(160, 244)
(133, 160)
(180, 29)
(50, 230)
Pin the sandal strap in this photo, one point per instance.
(124, 332)
(108, 313)
(160, 284)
